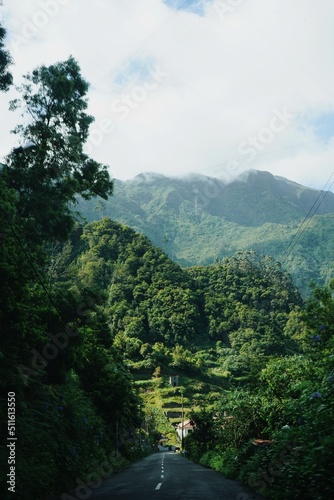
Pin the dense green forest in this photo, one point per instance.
(94, 319)
(198, 220)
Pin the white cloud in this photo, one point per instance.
(220, 80)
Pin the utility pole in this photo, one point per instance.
(117, 438)
(182, 438)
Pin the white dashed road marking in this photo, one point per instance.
(162, 473)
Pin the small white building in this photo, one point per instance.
(187, 427)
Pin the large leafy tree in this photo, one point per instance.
(49, 175)
(37, 187)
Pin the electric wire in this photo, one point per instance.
(307, 219)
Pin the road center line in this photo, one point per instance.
(158, 486)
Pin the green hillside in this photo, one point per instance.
(198, 220)
(251, 357)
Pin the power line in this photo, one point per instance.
(303, 226)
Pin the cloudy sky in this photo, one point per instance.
(209, 86)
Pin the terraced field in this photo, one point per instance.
(165, 403)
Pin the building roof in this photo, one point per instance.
(186, 425)
(262, 442)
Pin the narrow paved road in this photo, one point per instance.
(167, 475)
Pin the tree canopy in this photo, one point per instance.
(49, 175)
(5, 60)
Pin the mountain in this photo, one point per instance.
(197, 219)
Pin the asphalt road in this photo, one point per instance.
(167, 475)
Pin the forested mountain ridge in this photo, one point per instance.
(151, 299)
(198, 219)
(221, 323)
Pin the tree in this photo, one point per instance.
(5, 59)
(48, 176)
(319, 314)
